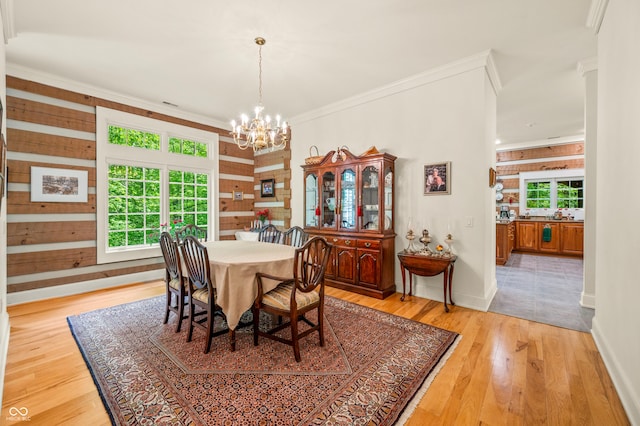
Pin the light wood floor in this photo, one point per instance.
(504, 371)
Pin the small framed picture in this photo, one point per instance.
(267, 188)
(238, 195)
(437, 178)
(58, 185)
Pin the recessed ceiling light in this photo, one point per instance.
(498, 141)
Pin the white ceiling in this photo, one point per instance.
(201, 55)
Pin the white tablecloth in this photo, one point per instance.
(247, 236)
(233, 271)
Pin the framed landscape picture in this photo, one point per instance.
(437, 178)
(59, 185)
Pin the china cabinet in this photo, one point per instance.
(348, 200)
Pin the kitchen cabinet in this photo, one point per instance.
(572, 239)
(348, 200)
(527, 236)
(505, 241)
(552, 246)
(567, 238)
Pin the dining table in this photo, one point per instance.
(233, 267)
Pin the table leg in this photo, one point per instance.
(410, 283)
(450, 281)
(444, 285)
(403, 273)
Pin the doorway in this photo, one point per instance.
(544, 289)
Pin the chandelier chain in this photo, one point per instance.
(260, 132)
(260, 75)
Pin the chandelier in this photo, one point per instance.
(259, 132)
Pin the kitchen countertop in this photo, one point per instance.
(538, 219)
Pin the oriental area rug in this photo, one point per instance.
(370, 368)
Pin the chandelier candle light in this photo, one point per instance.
(260, 132)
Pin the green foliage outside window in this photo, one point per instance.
(570, 194)
(538, 195)
(188, 147)
(134, 138)
(134, 204)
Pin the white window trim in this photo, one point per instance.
(548, 174)
(106, 152)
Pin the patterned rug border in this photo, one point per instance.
(398, 415)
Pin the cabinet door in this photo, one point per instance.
(572, 238)
(370, 201)
(369, 268)
(527, 236)
(311, 200)
(328, 209)
(347, 201)
(553, 245)
(501, 244)
(345, 263)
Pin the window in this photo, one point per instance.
(149, 173)
(548, 191)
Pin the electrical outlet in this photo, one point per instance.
(468, 221)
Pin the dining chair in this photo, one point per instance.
(295, 296)
(174, 280)
(201, 292)
(295, 237)
(270, 234)
(191, 229)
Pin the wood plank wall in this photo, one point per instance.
(52, 244)
(509, 165)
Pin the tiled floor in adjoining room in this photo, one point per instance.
(543, 289)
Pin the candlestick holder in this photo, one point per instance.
(411, 248)
(425, 240)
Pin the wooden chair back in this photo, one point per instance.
(270, 234)
(191, 229)
(196, 260)
(295, 237)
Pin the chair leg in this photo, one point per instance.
(321, 325)
(294, 337)
(166, 313)
(191, 319)
(210, 321)
(256, 324)
(180, 312)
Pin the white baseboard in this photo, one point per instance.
(82, 287)
(588, 300)
(4, 348)
(630, 400)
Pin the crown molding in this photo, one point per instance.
(587, 65)
(85, 89)
(596, 14)
(6, 8)
(480, 60)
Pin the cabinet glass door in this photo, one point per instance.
(328, 208)
(388, 198)
(370, 201)
(347, 199)
(311, 200)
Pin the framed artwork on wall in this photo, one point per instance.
(267, 188)
(59, 185)
(437, 178)
(238, 195)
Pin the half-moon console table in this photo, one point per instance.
(427, 266)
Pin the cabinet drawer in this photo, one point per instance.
(347, 242)
(369, 244)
